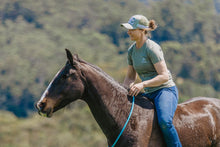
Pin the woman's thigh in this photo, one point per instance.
(166, 103)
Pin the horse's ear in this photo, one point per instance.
(69, 56)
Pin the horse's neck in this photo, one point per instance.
(107, 101)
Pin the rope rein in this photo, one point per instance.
(132, 107)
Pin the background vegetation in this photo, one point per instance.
(34, 34)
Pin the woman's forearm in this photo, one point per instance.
(156, 81)
(130, 77)
(161, 78)
(128, 82)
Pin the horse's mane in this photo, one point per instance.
(103, 73)
(140, 99)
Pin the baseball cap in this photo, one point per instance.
(136, 21)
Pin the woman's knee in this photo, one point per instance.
(165, 124)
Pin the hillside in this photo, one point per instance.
(60, 131)
(34, 34)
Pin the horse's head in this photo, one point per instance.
(67, 86)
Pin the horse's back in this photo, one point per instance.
(198, 121)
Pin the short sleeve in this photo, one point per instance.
(156, 54)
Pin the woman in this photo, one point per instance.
(146, 59)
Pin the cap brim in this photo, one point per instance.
(127, 26)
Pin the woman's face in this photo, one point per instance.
(135, 34)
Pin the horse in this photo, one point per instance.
(197, 120)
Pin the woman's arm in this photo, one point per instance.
(130, 77)
(161, 78)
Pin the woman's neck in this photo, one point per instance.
(140, 42)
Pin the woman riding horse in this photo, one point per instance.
(145, 57)
(197, 121)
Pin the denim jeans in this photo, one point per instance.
(165, 101)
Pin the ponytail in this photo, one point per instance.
(151, 27)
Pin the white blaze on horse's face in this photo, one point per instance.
(67, 86)
(43, 103)
(48, 87)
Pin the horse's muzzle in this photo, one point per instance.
(40, 107)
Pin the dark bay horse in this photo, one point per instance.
(196, 120)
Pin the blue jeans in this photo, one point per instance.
(165, 101)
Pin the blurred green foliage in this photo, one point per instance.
(66, 129)
(34, 34)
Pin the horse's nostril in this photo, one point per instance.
(41, 105)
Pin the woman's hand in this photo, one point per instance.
(135, 89)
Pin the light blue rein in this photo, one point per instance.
(132, 106)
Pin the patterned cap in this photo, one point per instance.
(136, 21)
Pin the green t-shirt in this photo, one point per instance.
(143, 60)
